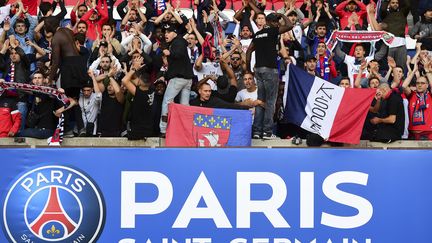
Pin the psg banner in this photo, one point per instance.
(135, 195)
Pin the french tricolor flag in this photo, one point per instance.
(318, 106)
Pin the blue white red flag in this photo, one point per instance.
(192, 126)
(334, 113)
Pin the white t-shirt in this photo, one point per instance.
(209, 68)
(245, 45)
(354, 69)
(90, 107)
(243, 95)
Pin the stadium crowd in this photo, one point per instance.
(121, 75)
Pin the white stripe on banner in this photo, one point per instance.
(322, 104)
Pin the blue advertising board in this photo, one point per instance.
(132, 195)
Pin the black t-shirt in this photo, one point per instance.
(392, 106)
(229, 96)
(157, 111)
(266, 50)
(215, 102)
(141, 116)
(45, 110)
(111, 114)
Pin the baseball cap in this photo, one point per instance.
(170, 28)
(272, 17)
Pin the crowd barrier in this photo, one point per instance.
(233, 195)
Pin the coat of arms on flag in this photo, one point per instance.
(210, 130)
(192, 126)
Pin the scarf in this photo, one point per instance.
(418, 113)
(194, 55)
(219, 31)
(323, 68)
(159, 6)
(360, 36)
(207, 47)
(57, 138)
(12, 72)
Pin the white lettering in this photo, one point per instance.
(202, 189)
(56, 175)
(130, 208)
(129, 240)
(79, 183)
(364, 207)
(246, 206)
(307, 200)
(41, 178)
(27, 183)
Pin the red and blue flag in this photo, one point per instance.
(192, 126)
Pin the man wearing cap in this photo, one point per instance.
(347, 8)
(179, 73)
(266, 73)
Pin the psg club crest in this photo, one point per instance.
(53, 204)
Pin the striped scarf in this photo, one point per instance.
(57, 138)
(159, 6)
(12, 72)
(420, 105)
(323, 68)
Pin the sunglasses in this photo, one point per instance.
(235, 59)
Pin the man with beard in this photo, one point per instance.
(237, 61)
(104, 62)
(77, 12)
(394, 19)
(111, 112)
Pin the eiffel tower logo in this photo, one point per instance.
(53, 211)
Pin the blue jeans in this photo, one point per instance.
(267, 80)
(175, 86)
(36, 133)
(22, 107)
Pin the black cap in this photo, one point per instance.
(352, 1)
(272, 17)
(310, 57)
(170, 28)
(103, 43)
